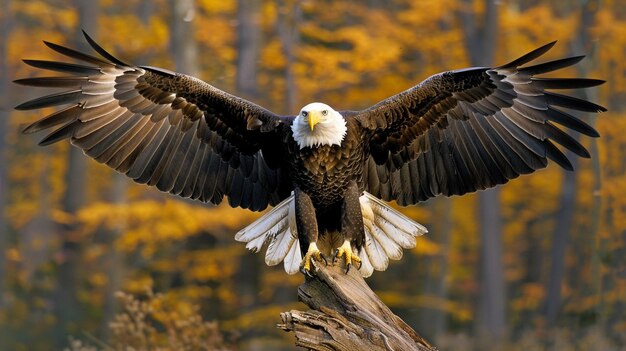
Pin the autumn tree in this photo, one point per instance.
(5, 100)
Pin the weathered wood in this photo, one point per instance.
(346, 315)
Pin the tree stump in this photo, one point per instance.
(346, 315)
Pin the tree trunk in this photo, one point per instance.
(596, 242)
(346, 315)
(5, 100)
(565, 216)
(182, 40)
(67, 305)
(289, 16)
(491, 300)
(480, 41)
(248, 47)
(248, 275)
(567, 207)
(432, 321)
(114, 260)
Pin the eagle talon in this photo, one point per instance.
(313, 253)
(350, 257)
(305, 272)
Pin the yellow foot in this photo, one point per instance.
(350, 257)
(312, 253)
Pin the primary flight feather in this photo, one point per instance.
(324, 171)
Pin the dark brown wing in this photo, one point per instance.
(471, 129)
(164, 129)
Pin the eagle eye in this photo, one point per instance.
(304, 113)
(324, 113)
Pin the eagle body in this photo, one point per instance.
(326, 174)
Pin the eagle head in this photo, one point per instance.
(318, 124)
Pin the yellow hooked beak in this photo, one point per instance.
(314, 118)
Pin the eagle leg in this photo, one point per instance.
(351, 226)
(306, 223)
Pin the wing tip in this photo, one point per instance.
(546, 47)
(553, 153)
(597, 82)
(566, 164)
(29, 129)
(21, 81)
(529, 56)
(51, 45)
(46, 142)
(90, 40)
(29, 62)
(24, 106)
(101, 51)
(593, 133)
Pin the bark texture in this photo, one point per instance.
(346, 315)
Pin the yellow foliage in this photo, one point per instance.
(611, 35)
(47, 15)
(217, 7)
(215, 264)
(532, 296)
(521, 29)
(98, 280)
(13, 255)
(395, 299)
(152, 37)
(138, 284)
(151, 222)
(426, 247)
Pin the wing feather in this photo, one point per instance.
(64, 116)
(63, 67)
(162, 128)
(118, 153)
(465, 130)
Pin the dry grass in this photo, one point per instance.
(155, 325)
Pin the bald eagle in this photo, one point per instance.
(326, 173)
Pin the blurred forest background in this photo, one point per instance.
(537, 264)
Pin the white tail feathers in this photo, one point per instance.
(277, 229)
(387, 232)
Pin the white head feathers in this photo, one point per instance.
(318, 124)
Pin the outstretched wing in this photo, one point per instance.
(162, 128)
(471, 129)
